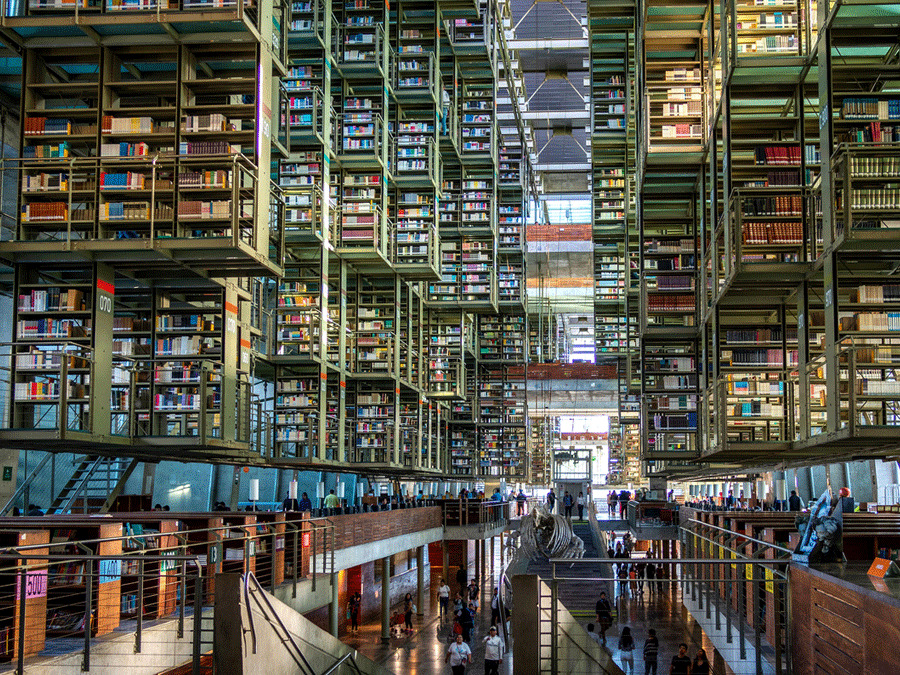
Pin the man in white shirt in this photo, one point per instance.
(493, 652)
(458, 655)
(443, 597)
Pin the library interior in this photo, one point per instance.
(506, 336)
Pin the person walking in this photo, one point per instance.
(458, 655)
(622, 576)
(604, 615)
(626, 650)
(443, 598)
(681, 662)
(611, 500)
(408, 612)
(580, 503)
(640, 573)
(495, 608)
(493, 652)
(473, 590)
(332, 503)
(461, 579)
(353, 610)
(650, 573)
(624, 496)
(794, 501)
(701, 663)
(651, 652)
(567, 505)
(521, 500)
(551, 500)
(466, 618)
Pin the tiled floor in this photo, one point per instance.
(422, 652)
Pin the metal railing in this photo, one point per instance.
(694, 574)
(868, 393)
(462, 512)
(74, 590)
(253, 589)
(748, 582)
(50, 382)
(150, 571)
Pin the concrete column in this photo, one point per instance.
(482, 572)
(420, 580)
(386, 599)
(478, 560)
(333, 607)
(493, 541)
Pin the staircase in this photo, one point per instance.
(579, 597)
(94, 486)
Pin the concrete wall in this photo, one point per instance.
(242, 652)
(576, 651)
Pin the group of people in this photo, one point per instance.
(568, 502)
(465, 609)
(635, 573)
(681, 662)
(617, 500)
(732, 502)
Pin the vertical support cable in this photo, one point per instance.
(183, 584)
(88, 612)
(198, 622)
(138, 629)
(20, 648)
(758, 590)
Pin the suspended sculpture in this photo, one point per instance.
(546, 535)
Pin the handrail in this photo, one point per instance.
(125, 537)
(248, 576)
(738, 534)
(337, 664)
(25, 485)
(79, 487)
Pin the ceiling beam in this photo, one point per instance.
(549, 43)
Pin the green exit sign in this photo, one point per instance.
(7, 473)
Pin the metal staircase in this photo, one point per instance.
(94, 486)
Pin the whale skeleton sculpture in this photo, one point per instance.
(545, 535)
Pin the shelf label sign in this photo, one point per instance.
(105, 296)
(110, 570)
(770, 580)
(7, 473)
(245, 352)
(829, 297)
(215, 553)
(230, 317)
(279, 543)
(35, 584)
(823, 116)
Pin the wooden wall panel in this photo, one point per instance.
(840, 628)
